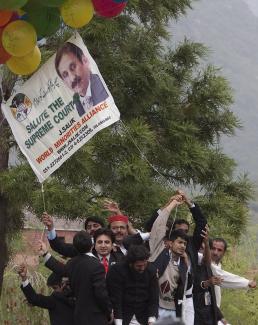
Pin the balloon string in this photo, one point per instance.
(44, 207)
(1, 123)
(43, 197)
(144, 157)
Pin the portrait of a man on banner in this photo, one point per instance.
(73, 67)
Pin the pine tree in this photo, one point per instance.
(174, 110)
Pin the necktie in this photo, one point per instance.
(105, 263)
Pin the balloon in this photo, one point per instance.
(19, 38)
(77, 13)
(4, 56)
(109, 8)
(5, 16)
(25, 65)
(45, 20)
(52, 3)
(12, 4)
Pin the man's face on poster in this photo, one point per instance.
(75, 73)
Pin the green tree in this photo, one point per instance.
(174, 110)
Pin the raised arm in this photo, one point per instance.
(62, 248)
(199, 220)
(158, 230)
(32, 297)
(50, 262)
(206, 260)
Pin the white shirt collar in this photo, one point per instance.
(123, 249)
(90, 254)
(88, 92)
(173, 261)
(107, 256)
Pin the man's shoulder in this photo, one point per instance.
(94, 77)
(151, 268)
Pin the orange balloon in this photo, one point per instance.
(4, 56)
(5, 16)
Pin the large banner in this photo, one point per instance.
(60, 108)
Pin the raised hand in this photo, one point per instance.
(184, 197)
(42, 248)
(111, 206)
(48, 221)
(205, 234)
(22, 271)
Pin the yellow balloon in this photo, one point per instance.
(19, 38)
(26, 64)
(77, 13)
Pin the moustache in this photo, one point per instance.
(76, 81)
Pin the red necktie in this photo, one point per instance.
(104, 261)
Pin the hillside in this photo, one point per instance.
(230, 28)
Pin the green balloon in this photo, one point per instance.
(12, 4)
(51, 3)
(45, 20)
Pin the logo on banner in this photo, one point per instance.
(21, 107)
(66, 103)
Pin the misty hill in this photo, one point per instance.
(230, 29)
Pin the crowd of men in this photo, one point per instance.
(122, 276)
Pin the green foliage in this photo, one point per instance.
(239, 306)
(174, 111)
(13, 306)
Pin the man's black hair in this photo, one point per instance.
(137, 253)
(54, 279)
(181, 222)
(65, 49)
(178, 233)
(94, 219)
(219, 239)
(82, 242)
(104, 231)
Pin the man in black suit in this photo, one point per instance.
(87, 280)
(73, 67)
(133, 288)
(60, 304)
(92, 224)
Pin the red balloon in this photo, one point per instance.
(5, 16)
(4, 56)
(108, 8)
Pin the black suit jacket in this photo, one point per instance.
(60, 307)
(98, 91)
(133, 293)
(98, 94)
(205, 314)
(114, 258)
(87, 280)
(195, 241)
(63, 248)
